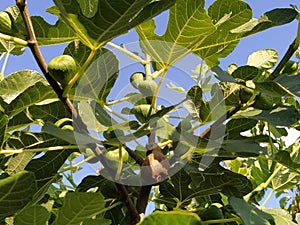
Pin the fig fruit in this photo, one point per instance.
(147, 87)
(136, 78)
(291, 67)
(143, 112)
(114, 155)
(5, 22)
(62, 68)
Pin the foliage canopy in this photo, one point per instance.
(216, 143)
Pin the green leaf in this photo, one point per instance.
(87, 206)
(108, 20)
(185, 31)
(235, 126)
(97, 221)
(246, 145)
(245, 73)
(10, 47)
(16, 192)
(88, 116)
(279, 115)
(32, 95)
(171, 218)
(285, 159)
(284, 181)
(226, 15)
(221, 180)
(250, 214)
(263, 59)
(101, 75)
(34, 215)
(69, 136)
(3, 126)
(18, 162)
(46, 166)
(290, 82)
(51, 112)
(275, 17)
(222, 75)
(272, 88)
(16, 83)
(48, 34)
(281, 216)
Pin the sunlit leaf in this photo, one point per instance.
(107, 19)
(16, 83)
(185, 31)
(264, 59)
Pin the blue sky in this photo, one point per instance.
(278, 38)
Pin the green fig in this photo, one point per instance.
(5, 22)
(114, 155)
(110, 134)
(62, 69)
(143, 112)
(147, 87)
(291, 67)
(245, 94)
(136, 78)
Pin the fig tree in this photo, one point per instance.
(62, 68)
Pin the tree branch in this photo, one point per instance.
(289, 53)
(78, 123)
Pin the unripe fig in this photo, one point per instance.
(147, 87)
(110, 134)
(291, 67)
(136, 78)
(143, 112)
(245, 94)
(5, 22)
(113, 155)
(62, 69)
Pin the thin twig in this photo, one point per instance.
(289, 53)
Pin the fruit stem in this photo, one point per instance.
(127, 52)
(16, 40)
(163, 75)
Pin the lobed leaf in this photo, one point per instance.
(98, 22)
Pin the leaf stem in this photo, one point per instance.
(81, 71)
(16, 40)
(54, 148)
(128, 53)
